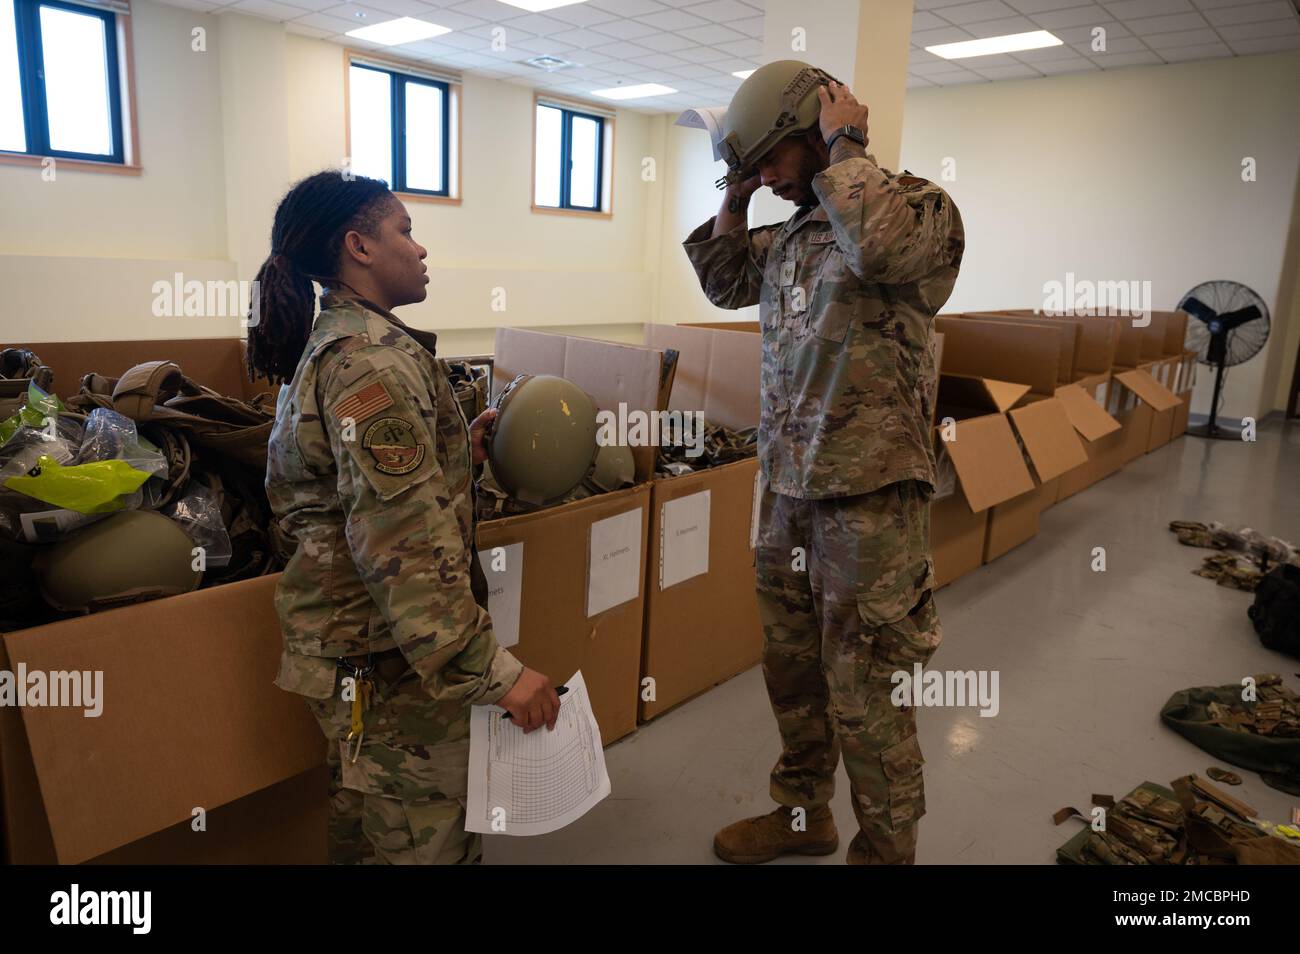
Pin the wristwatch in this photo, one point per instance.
(853, 132)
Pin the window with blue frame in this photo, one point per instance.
(400, 129)
(60, 85)
(569, 168)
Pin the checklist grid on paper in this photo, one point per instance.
(542, 775)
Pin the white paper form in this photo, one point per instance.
(504, 569)
(540, 782)
(684, 539)
(614, 561)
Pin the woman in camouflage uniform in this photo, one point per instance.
(370, 475)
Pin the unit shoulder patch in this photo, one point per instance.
(394, 446)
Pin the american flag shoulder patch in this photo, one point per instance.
(363, 404)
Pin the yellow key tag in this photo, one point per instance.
(357, 710)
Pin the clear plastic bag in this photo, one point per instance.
(199, 515)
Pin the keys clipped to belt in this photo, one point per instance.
(362, 690)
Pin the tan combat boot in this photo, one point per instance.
(897, 849)
(756, 840)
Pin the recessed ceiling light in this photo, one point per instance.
(633, 92)
(537, 6)
(743, 74)
(549, 63)
(401, 30)
(1011, 43)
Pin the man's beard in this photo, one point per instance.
(809, 166)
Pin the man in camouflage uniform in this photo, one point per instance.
(370, 471)
(847, 290)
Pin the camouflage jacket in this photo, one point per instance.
(847, 291)
(369, 471)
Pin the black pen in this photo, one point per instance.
(559, 692)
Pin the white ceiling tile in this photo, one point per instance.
(935, 69)
(697, 71)
(468, 41)
(974, 12)
(1090, 14)
(726, 67)
(324, 21)
(961, 79)
(1169, 24)
(624, 29)
(580, 38)
(1207, 52)
(541, 44)
(1211, 4)
(1017, 71)
(302, 29)
(713, 33)
(203, 6)
(916, 82)
(1033, 7)
(924, 20)
(1120, 44)
(915, 57)
(660, 61)
(358, 14)
(1250, 13)
(622, 50)
(406, 8)
(747, 47)
(581, 14)
(665, 42)
(315, 6)
(702, 54)
(269, 10)
(1167, 41)
(489, 32)
(538, 24)
(489, 10)
(1083, 34)
(629, 8)
(1112, 60)
(1130, 9)
(673, 20)
(1266, 44)
(1004, 27)
(938, 4)
(721, 11)
(1249, 31)
(1065, 66)
(450, 18)
(978, 63)
(751, 27)
(946, 35)
(1051, 54)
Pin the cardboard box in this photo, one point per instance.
(1101, 433)
(705, 629)
(190, 719)
(1135, 399)
(556, 635)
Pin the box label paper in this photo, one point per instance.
(613, 561)
(504, 568)
(684, 539)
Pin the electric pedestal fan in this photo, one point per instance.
(1229, 326)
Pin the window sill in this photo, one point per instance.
(550, 210)
(77, 165)
(434, 199)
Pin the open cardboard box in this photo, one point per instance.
(191, 718)
(1005, 352)
(704, 629)
(557, 634)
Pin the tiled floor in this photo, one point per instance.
(1086, 660)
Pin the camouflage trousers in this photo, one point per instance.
(844, 595)
(402, 801)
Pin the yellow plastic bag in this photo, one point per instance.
(86, 488)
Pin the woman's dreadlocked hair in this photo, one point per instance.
(306, 243)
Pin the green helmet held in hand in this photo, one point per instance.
(544, 438)
(776, 100)
(131, 556)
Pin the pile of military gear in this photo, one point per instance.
(1254, 725)
(470, 382)
(1247, 554)
(135, 487)
(684, 453)
(1194, 824)
(1276, 610)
